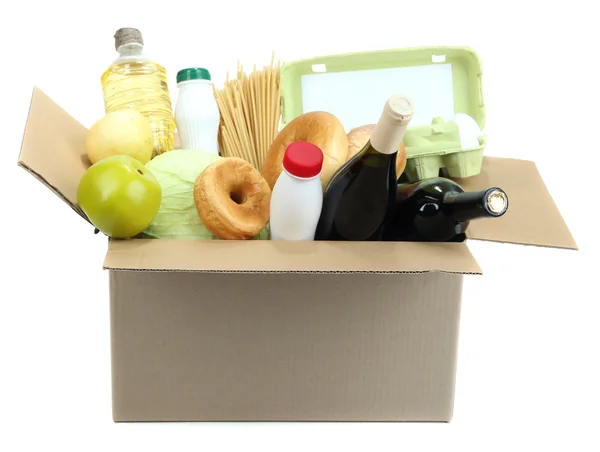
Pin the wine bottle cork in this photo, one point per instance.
(389, 131)
(496, 201)
(127, 36)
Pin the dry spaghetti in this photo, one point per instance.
(250, 112)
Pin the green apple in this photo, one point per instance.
(119, 196)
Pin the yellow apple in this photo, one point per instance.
(123, 132)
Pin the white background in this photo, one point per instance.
(528, 375)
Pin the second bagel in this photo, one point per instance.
(317, 127)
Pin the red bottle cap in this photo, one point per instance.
(302, 159)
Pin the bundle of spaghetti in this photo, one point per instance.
(250, 113)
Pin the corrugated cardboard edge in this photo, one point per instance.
(309, 257)
(573, 247)
(53, 190)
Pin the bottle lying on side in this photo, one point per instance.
(439, 210)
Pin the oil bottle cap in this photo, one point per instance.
(302, 159)
(193, 73)
(126, 36)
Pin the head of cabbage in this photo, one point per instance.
(177, 217)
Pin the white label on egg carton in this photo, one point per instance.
(356, 97)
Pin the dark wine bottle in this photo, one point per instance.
(360, 199)
(439, 210)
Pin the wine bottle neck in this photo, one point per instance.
(391, 127)
(488, 203)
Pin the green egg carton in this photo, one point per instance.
(442, 81)
(431, 148)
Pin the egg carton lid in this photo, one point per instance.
(442, 81)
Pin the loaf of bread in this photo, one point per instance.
(319, 128)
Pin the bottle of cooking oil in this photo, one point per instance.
(134, 80)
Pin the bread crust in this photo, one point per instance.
(319, 128)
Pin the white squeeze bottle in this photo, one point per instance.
(297, 196)
(196, 112)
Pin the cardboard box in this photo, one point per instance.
(287, 331)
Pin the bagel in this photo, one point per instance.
(319, 128)
(232, 199)
(359, 136)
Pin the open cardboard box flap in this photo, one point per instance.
(532, 217)
(53, 150)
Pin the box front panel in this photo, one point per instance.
(234, 347)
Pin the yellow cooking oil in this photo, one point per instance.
(135, 81)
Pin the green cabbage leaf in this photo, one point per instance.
(177, 217)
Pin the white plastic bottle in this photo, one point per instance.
(196, 112)
(297, 196)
